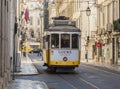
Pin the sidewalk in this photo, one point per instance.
(27, 68)
(109, 66)
(27, 84)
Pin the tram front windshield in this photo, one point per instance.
(63, 41)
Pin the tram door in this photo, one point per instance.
(46, 46)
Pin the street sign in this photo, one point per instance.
(98, 44)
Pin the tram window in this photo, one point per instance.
(46, 39)
(65, 41)
(55, 41)
(75, 41)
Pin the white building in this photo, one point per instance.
(108, 15)
(7, 21)
(35, 19)
(88, 27)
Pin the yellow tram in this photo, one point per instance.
(61, 44)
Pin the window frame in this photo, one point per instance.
(62, 41)
(77, 41)
(56, 47)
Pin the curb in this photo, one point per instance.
(21, 83)
(108, 66)
(17, 74)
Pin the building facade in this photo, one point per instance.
(76, 10)
(52, 11)
(88, 27)
(102, 26)
(7, 21)
(34, 18)
(33, 27)
(108, 31)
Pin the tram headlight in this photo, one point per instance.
(65, 59)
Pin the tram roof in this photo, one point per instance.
(63, 28)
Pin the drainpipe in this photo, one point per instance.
(14, 52)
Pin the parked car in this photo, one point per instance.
(36, 50)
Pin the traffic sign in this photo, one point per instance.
(98, 44)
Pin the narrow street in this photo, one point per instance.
(79, 41)
(84, 77)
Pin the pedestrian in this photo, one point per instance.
(39, 52)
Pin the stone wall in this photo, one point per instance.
(5, 41)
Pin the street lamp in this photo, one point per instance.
(88, 12)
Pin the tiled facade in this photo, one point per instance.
(7, 16)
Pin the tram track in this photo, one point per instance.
(85, 78)
(87, 83)
(46, 72)
(104, 72)
(78, 77)
(72, 85)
